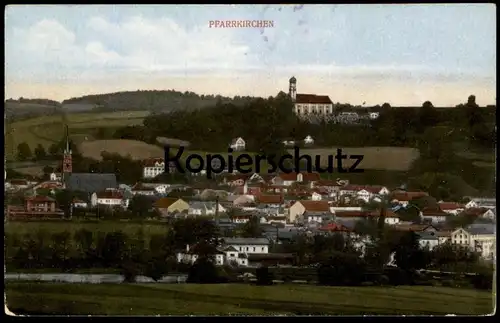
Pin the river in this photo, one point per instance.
(90, 278)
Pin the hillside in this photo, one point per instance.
(155, 101)
(27, 108)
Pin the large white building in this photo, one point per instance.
(477, 237)
(155, 166)
(307, 104)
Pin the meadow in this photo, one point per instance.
(375, 158)
(46, 130)
(131, 228)
(242, 299)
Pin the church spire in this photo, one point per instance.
(67, 166)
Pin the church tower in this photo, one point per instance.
(292, 90)
(67, 166)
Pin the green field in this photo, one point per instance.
(49, 129)
(236, 299)
(24, 227)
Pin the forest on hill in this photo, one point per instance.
(265, 123)
(155, 101)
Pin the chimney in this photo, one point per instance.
(187, 248)
(245, 188)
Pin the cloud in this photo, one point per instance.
(135, 45)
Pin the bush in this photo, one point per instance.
(483, 281)
(264, 276)
(130, 271)
(204, 271)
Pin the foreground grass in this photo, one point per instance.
(234, 299)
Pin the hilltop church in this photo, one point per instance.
(309, 104)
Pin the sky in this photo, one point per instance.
(400, 54)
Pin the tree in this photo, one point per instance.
(23, 151)
(428, 116)
(252, 228)
(408, 254)
(40, 153)
(54, 150)
(386, 106)
(264, 276)
(61, 249)
(140, 205)
(203, 271)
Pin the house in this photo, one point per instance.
(363, 192)
(373, 115)
(153, 167)
(241, 199)
(306, 104)
(490, 214)
(433, 215)
(291, 178)
(477, 202)
(55, 177)
(308, 140)
(90, 182)
(428, 239)
(199, 208)
(167, 206)
(79, 204)
(109, 197)
(403, 198)
(451, 207)
(297, 210)
(141, 189)
(317, 217)
(391, 218)
(274, 201)
(35, 206)
(236, 179)
(480, 238)
(224, 256)
(288, 142)
(248, 245)
(237, 144)
(19, 184)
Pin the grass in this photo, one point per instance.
(49, 129)
(237, 299)
(24, 227)
(375, 158)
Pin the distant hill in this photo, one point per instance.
(27, 108)
(155, 101)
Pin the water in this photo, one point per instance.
(90, 278)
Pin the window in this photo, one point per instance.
(247, 248)
(253, 248)
(231, 255)
(241, 248)
(298, 110)
(262, 249)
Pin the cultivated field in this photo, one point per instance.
(49, 129)
(376, 158)
(135, 149)
(238, 299)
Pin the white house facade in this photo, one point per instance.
(237, 144)
(480, 238)
(306, 104)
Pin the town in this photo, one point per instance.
(253, 190)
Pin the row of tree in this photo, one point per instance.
(337, 257)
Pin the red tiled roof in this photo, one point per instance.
(110, 195)
(408, 196)
(305, 176)
(475, 211)
(326, 183)
(362, 214)
(445, 206)
(433, 212)
(312, 99)
(151, 162)
(18, 182)
(40, 199)
(235, 177)
(270, 199)
(333, 227)
(370, 188)
(315, 206)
